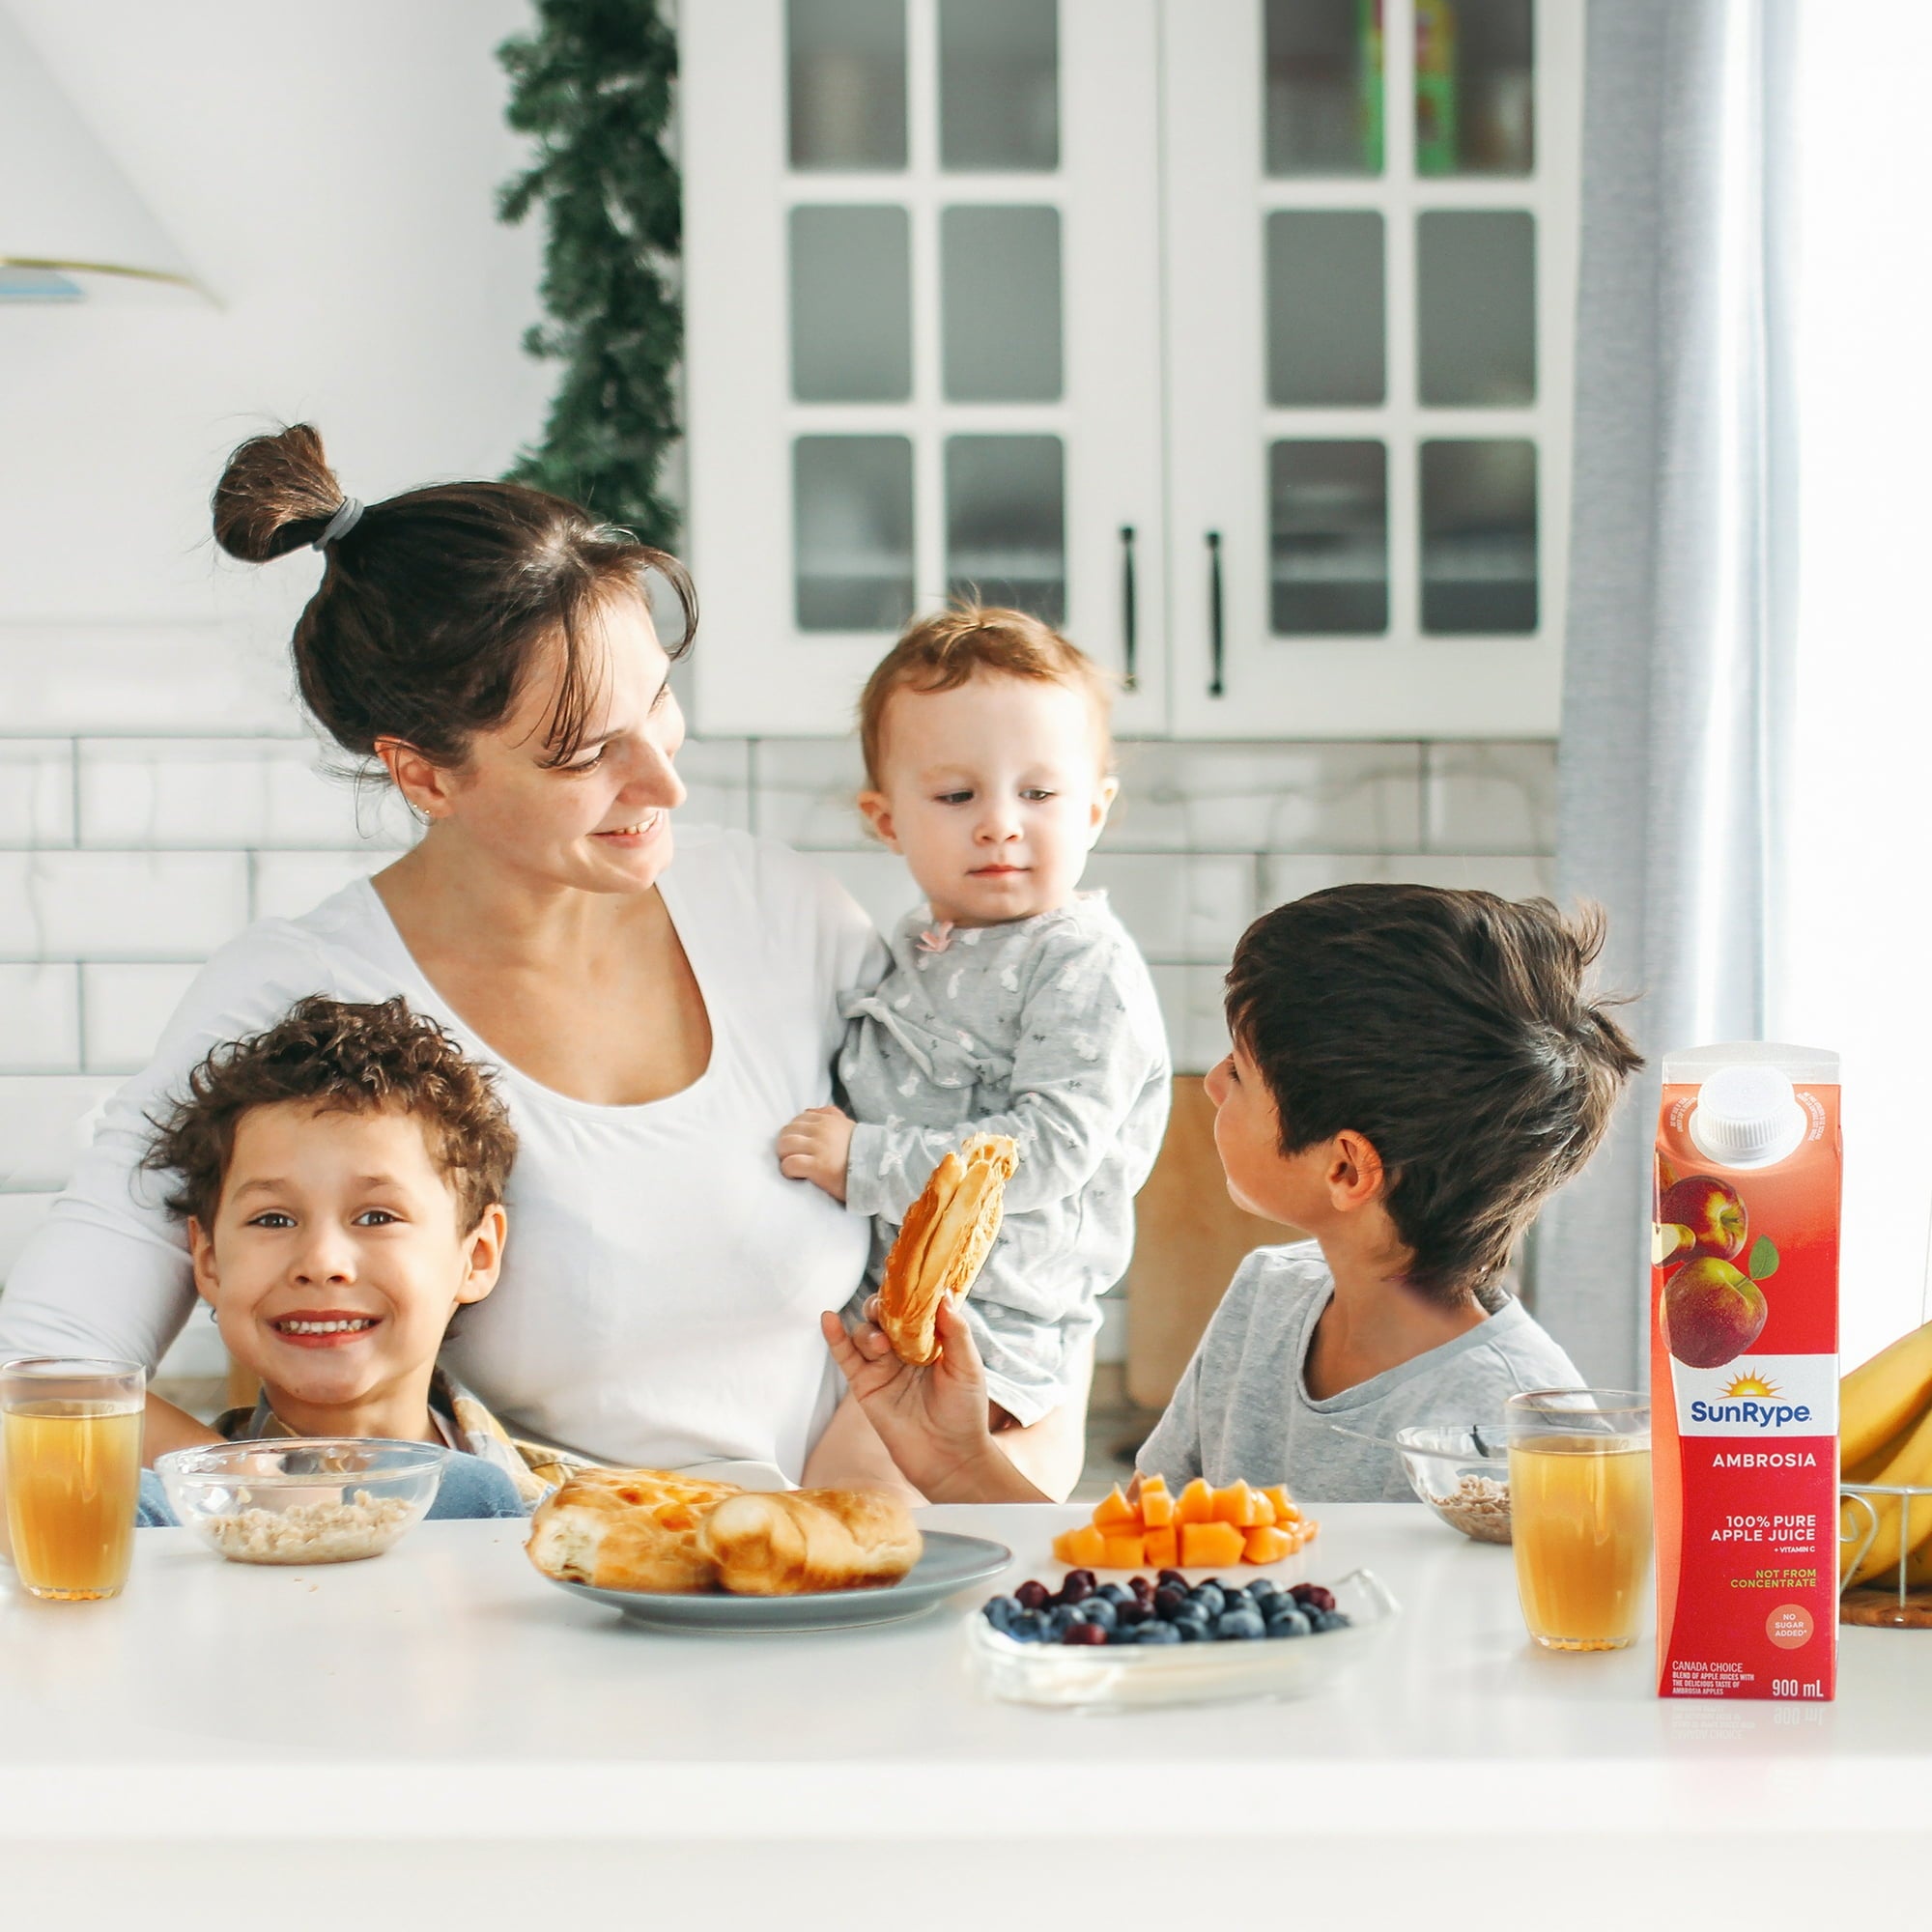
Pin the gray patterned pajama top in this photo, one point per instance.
(1046, 1029)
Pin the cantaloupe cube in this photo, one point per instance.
(1162, 1548)
(1115, 1512)
(1209, 1546)
(1081, 1548)
(1261, 1510)
(1124, 1549)
(1195, 1503)
(1234, 1504)
(1268, 1545)
(1157, 1505)
(1285, 1510)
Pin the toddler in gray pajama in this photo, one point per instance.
(1014, 1004)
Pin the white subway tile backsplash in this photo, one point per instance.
(202, 793)
(718, 774)
(1190, 1002)
(1491, 798)
(803, 791)
(36, 791)
(120, 905)
(1292, 875)
(46, 1119)
(878, 880)
(144, 680)
(1266, 798)
(289, 884)
(1177, 906)
(125, 1006)
(40, 1018)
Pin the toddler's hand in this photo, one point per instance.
(932, 1419)
(813, 1148)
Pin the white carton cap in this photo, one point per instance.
(1746, 1116)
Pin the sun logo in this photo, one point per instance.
(1752, 1382)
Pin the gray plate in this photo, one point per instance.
(947, 1565)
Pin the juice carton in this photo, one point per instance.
(1743, 1372)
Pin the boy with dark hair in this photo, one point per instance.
(1414, 1072)
(342, 1180)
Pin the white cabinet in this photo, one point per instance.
(923, 320)
(1145, 315)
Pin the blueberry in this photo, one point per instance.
(1288, 1623)
(1085, 1633)
(1098, 1610)
(1083, 1576)
(1237, 1595)
(1031, 1595)
(1239, 1624)
(1002, 1611)
(1142, 1589)
(1262, 1590)
(1059, 1620)
(1172, 1578)
(1330, 1620)
(1192, 1630)
(1077, 1588)
(1028, 1628)
(1167, 1600)
(1116, 1594)
(1156, 1632)
(1135, 1613)
(1208, 1597)
(1313, 1595)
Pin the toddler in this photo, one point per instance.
(1014, 1004)
(1414, 1071)
(342, 1180)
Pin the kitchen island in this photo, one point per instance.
(440, 1734)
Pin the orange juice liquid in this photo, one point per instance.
(73, 1481)
(1579, 1520)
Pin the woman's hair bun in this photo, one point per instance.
(277, 494)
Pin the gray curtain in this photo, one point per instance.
(1680, 636)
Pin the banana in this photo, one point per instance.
(1886, 1396)
(1866, 1468)
(1896, 1529)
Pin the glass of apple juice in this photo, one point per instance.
(71, 1437)
(1579, 1514)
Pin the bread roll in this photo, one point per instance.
(627, 1529)
(780, 1545)
(943, 1241)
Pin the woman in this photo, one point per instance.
(494, 649)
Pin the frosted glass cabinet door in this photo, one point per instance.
(923, 315)
(1369, 268)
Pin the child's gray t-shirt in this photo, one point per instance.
(1243, 1407)
(1048, 1028)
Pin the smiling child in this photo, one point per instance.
(341, 1176)
(1014, 1003)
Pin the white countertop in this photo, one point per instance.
(446, 1694)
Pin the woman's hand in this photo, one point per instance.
(814, 1148)
(932, 1418)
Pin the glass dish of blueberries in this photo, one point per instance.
(1169, 1640)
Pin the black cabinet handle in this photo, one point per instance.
(1217, 630)
(1129, 612)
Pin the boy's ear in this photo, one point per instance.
(483, 1254)
(1354, 1171)
(879, 816)
(201, 1254)
(1104, 795)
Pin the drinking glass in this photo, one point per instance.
(1579, 1514)
(71, 1436)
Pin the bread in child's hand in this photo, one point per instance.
(943, 1241)
(782, 1544)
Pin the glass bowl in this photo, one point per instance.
(1462, 1476)
(1124, 1677)
(303, 1499)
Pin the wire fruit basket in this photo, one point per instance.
(1896, 1604)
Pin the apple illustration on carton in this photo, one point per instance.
(1712, 1312)
(1712, 1211)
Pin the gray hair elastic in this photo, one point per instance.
(341, 523)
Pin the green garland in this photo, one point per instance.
(593, 85)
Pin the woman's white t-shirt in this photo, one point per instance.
(661, 1285)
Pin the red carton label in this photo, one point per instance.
(1744, 1403)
